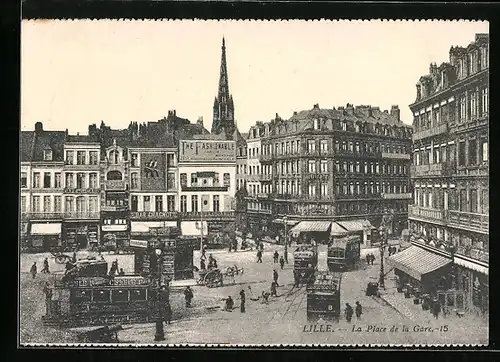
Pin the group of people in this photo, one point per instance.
(212, 263)
(393, 250)
(281, 259)
(114, 270)
(229, 302)
(370, 258)
(349, 311)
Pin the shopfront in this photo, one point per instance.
(44, 236)
(81, 234)
(473, 282)
(116, 234)
(422, 271)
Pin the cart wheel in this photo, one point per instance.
(61, 259)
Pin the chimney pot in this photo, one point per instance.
(316, 106)
(38, 127)
(294, 113)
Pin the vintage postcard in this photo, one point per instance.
(254, 183)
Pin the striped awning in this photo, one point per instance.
(311, 226)
(470, 265)
(356, 225)
(337, 229)
(418, 262)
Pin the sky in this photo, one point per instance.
(79, 72)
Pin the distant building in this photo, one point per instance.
(450, 212)
(345, 164)
(207, 185)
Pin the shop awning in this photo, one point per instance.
(356, 225)
(192, 228)
(46, 229)
(417, 262)
(470, 265)
(311, 226)
(283, 221)
(143, 226)
(337, 229)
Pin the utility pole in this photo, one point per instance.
(384, 229)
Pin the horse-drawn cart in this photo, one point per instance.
(215, 277)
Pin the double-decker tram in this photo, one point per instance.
(89, 296)
(305, 262)
(323, 297)
(344, 253)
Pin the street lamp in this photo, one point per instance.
(384, 229)
(160, 334)
(285, 220)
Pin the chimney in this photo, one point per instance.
(199, 122)
(395, 112)
(349, 109)
(294, 113)
(38, 127)
(316, 106)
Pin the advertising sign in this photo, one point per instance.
(153, 171)
(207, 150)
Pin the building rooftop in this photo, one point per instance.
(34, 143)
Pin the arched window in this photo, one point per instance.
(114, 175)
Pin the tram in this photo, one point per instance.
(305, 263)
(344, 253)
(89, 297)
(323, 297)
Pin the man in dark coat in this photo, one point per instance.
(296, 278)
(188, 295)
(229, 304)
(358, 310)
(259, 256)
(282, 262)
(242, 298)
(165, 303)
(436, 308)
(276, 256)
(275, 277)
(33, 270)
(274, 292)
(46, 266)
(348, 312)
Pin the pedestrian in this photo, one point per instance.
(188, 295)
(203, 251)
(296, 279)
(202, 264)
(285, 253)
(282, 262)
(230, 246)
(165, 301)
(274, 291)
(46, 266)
(348, 312)
(235, 245)
(372, 257)
(242, 298)
(259, 256)
(399, 249)
(358, 310)
(229, 304)
(275, 277)
(33, 270)
(446, 311)
(265, 297)
(367, 258)
(436, 308)
(276, 256)
(73, 259)
(121, 272)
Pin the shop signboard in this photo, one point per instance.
(207, 151)
(153, 171)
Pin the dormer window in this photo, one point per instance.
(343, 124)
(47, 155)
(316, 124)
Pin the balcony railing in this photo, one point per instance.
(435, 169)
(42, 215)
(431, 132)
(399, 156)
(72, 190)
(217, 187)
(469, 219)
(266, 157)
(398, 196)
(359, 196)
(116, 185)
(426, 213)
(474, 253)
(106, 208)
(473, 171)
(82, 215)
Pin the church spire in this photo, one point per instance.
(223, 106)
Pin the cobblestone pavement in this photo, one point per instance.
(282, 321)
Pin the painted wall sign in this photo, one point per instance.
(205, 150)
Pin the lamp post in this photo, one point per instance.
(160, 334)
(285, 220)
(384, 229)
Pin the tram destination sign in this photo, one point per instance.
(117, 281)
